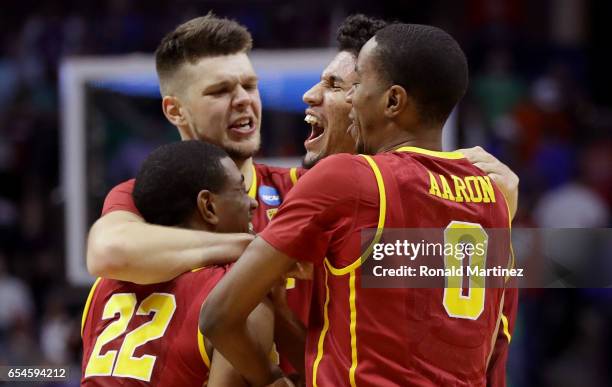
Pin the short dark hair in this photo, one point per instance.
(356, 30)
(198, 38)
(428, 63)
(171, 178)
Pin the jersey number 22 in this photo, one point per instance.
(123, 363)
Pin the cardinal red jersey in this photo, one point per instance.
(147, 335)
(269, 187)
(386, 337)
(496, 372)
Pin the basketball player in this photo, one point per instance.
(149, 333)
(328, 115)
(375, 337)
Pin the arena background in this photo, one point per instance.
(79, 109)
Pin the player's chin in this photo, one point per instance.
(311, 159)
(246, 138)
(242, 149)
(360, 147)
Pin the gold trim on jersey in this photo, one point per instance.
(504, 320)
(321, 341)
(382, 197)
(496, 330)
(202, 349)
(290, 283)
(293, 175)
(353, 328)
(253, 187)
(88, 303)
(443, 155)
(351, 270)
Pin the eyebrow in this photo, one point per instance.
(230, 81)
(335, 78)
(332, 78)
(252, 78)
(220, 84)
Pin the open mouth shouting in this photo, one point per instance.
(317, 131)
(243, 126)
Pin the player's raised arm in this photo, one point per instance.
(122, 246)
(506, 180)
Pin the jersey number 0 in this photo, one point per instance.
(456, 302)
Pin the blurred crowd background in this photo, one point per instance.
(539, 99)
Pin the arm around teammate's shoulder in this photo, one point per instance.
(122, 246)
(500, 173)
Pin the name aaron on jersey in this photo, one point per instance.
(468, 189)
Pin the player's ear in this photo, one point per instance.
(397, 99)
(207, 207)
(174, 112)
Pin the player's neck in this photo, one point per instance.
(195, 222)
(246, 168)
(429, 139)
